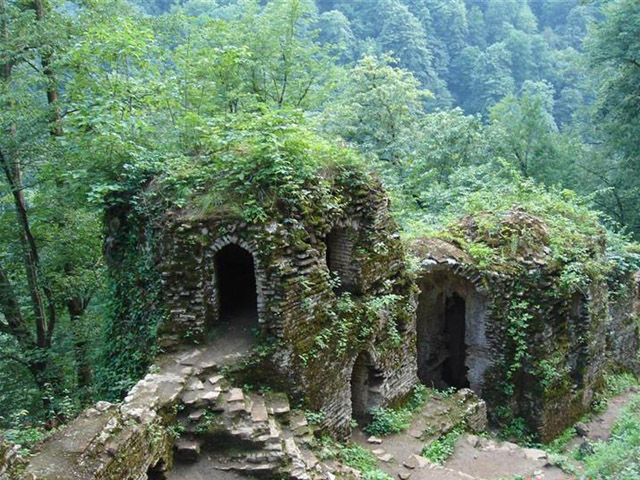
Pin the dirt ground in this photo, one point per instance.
(480, 458)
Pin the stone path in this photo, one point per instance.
(599, 427)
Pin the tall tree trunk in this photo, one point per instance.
(42, 302)
(52, 88)
(77, 307)
(44, 326)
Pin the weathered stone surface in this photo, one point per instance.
(294, 257)
(259, 411)
(235, 395)
(566, 331)
(414, 462)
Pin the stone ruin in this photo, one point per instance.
(342, 326)
(468, 329)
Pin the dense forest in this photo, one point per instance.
(453, 103)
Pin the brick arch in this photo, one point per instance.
(438, 286)
(365, 383)
(259, 272)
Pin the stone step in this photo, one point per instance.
(187, 450)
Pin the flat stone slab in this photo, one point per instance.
(233, 407)
(278, 405)
(191, 397)
(386, 458)
(210, 396)
(195, 384)
(190, 359)
(235, 395)
(259, 411)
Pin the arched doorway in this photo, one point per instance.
(236, 280)
(454, 370)
(452, 348)
(236, 319)
(366, 381)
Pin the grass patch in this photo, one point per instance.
(353, 456)
(559, 445)
(387, 421)
(440, 450)
(619, 458)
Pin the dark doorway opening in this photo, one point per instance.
(236, 281)
(366, 382)
(157, 471)
(454, 370)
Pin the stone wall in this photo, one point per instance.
(622, 329)
(113, 442)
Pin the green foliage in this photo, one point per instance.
(387, 421)
(215, 107)
(517, 431)
(559, 445)
(441, 449)
(352, 455)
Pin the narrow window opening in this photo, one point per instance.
(340, 243)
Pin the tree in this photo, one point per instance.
(614, 55)
(524, 126)
(376, 110)
(34, 160)
(403, 36)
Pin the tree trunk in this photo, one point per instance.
(77, 307)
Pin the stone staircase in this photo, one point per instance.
(249, 433)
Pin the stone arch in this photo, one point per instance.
(258, 270)
(340, 243)
(366, 386)
(451, 317)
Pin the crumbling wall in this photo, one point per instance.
(543, 345)
(113, 442)
(309, 324)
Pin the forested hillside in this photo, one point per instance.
(457, 105)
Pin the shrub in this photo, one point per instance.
(387, 421)
(440, 450)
